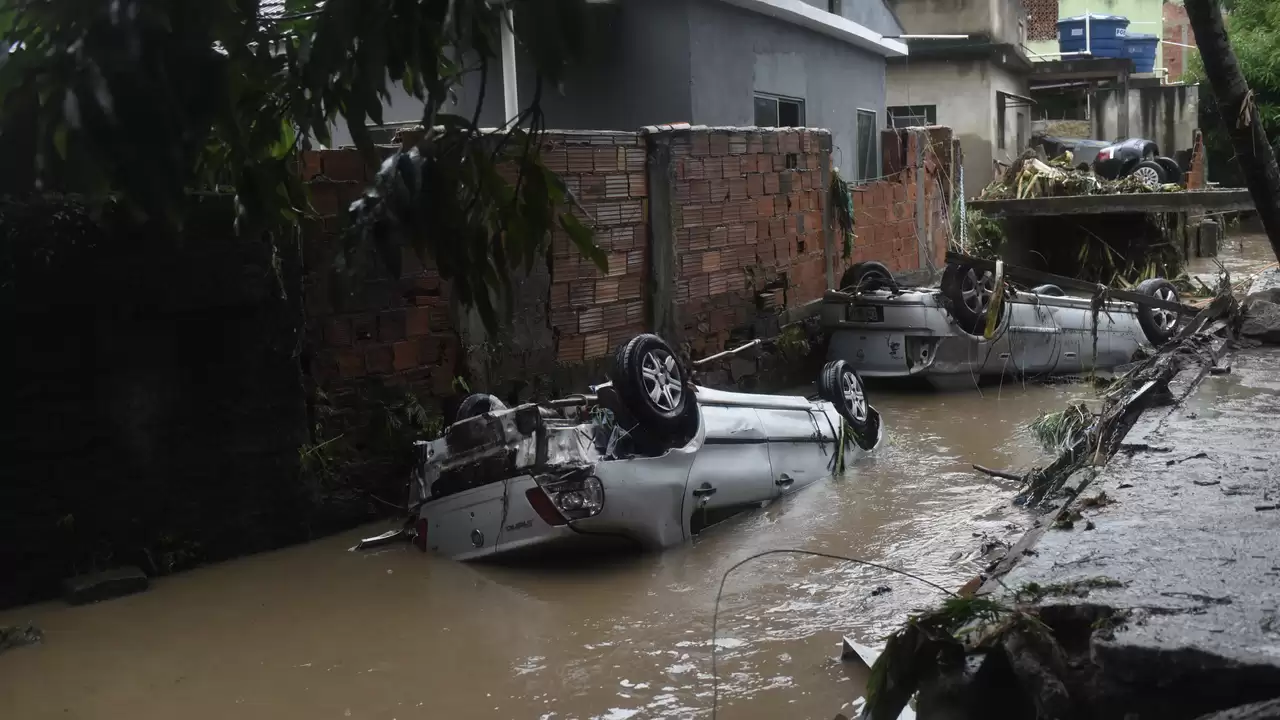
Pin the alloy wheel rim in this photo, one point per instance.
(977, 292)
(661, 379)
(854, 397)
(1165, 319)
(1148, 176)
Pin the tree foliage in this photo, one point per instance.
(1254, 29)
(145, 100)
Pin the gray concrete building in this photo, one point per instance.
(814, 63)
(975, 81)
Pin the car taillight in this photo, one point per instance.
(1106, 153)
(420, 534)
(544, 507)
(568, 498)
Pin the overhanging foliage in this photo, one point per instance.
(145, 100)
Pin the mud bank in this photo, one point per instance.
(1151, 586)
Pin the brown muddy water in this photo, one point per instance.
(315, 631)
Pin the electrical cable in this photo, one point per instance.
(715, 615)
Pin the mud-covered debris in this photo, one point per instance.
(1099, 500)
(17, 636)
(1032, 593)
(881, 590)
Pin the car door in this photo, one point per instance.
(731, 471)
(801, 446)
(1034, 340)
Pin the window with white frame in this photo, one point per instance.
(901, 116)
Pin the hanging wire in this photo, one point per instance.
(715, 615)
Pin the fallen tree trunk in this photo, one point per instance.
(1239, 114)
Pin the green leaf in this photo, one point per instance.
(584, 239)
(60, 140)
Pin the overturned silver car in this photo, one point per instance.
(647, 459)
(883, 330)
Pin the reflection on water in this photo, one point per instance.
(318, 632)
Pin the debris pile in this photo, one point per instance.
(1030, 177)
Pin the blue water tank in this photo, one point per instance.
(1141, 48)
(1106, 35)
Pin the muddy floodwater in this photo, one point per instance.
(316, 632)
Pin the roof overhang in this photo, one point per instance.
(800, 13)
(976, 47)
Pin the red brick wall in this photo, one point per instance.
(748, 208)
(884, 212)
(1177, 28)
(748, 216)
(388, 326)
(593, 312)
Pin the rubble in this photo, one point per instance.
(1029, 177)
(19, 635)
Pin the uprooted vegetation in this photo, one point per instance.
(1030, 177)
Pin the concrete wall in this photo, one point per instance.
(872, 14)
(1003, 80)
(1168, 115)
(958, 88)
(996, 19)
(734, 53)
(667, 61)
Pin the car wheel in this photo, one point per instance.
(478, 404)
(651, 383)
(969, 291)
(866, 276)
(1149, 173)
(1172, 173)
(1158, 324)
(842, 387)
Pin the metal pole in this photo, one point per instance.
(510, 100)
(964, 216)
(1088, 34)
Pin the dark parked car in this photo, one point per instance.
(1139, 158)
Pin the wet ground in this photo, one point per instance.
(316, 632)
(1243, 252)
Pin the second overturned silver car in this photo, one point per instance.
(648, 459)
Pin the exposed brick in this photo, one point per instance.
(710, 261)
(719, 144)
(607, 160)
(337, 331)
(379, 359)
(772, 183)
(718, 190)
(417, 321)
(738, 188)
(595, 345)
(634, 159)
(570, 348)
(404, 355)
(606, 291)
(712, 167)
(747, 164)
(344, 165)
(391, 326)
(700, 143)
(580, 160)
(350, 363)
(614, 316)
(630, 288)
(737, 143)
(637, 186)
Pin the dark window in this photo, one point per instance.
(833, 6)
(1000, 105)
(773, 111)
(868, 148)
(901, 116)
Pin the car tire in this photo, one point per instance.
(644, 367)
(969, 292)
(1172, 172)
(479, 404)
(840, 385)
(1158, 325)
(1150, 173)
(866, 276)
